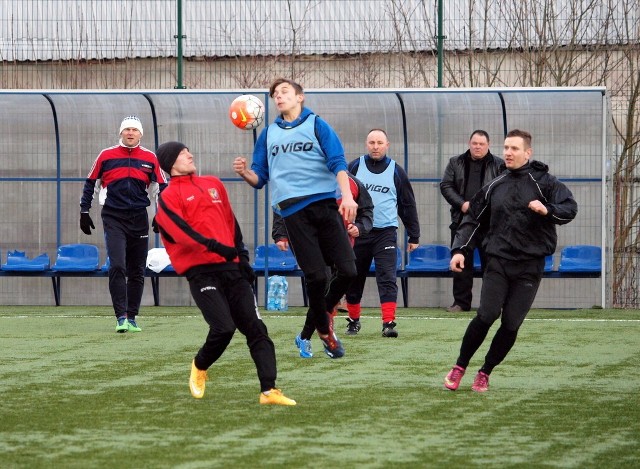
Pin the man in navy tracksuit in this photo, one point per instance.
(125, 172)
(392, 194)
(519, 211)
(302, 159)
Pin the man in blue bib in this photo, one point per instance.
(392, 194)
(303, 160)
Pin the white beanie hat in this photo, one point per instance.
(131, 122)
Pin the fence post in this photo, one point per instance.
(180, 37)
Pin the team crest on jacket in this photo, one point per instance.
(214, 194)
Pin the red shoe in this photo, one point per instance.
(452, 380)
(481, 382)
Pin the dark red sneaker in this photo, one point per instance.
(452, 380)
(481, 382)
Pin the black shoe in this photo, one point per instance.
(388, 329)
(353, 327)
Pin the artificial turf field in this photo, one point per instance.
(74, 394)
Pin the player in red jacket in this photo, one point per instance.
(204, 242)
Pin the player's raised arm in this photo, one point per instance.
(241, 169)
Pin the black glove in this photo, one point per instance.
(228, 252)
(247, 271)
(154, 225)
(86, 223)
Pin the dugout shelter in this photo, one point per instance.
(51, 138)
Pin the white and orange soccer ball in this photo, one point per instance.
(246, 112)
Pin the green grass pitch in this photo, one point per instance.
(74, 394)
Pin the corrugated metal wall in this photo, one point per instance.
(96, 30)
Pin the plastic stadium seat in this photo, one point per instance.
(77, 258)
(477, 265)
(429, 258)
(278, 260)
(18, 261)
(580, 258)
(548, 263)
(398, 263)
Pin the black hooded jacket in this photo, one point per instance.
(516, 232)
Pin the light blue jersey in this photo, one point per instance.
(382, 189)
(297, 164)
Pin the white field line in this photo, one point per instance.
(298, 317)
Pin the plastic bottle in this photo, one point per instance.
(283, 295)
(277, 295)
(271, 294)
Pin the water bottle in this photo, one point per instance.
(271, 294)
(282, 295)
(277, 294)
(275, 285)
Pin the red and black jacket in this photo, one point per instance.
(125, 173)
(192, 210)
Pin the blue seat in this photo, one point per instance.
(77, 258)
(429, 258)
(17, 261)
(106, 265)
(548, 263)
(477, 264)
(277, 259)
(280, 262)
(580, 258)
(398, 261)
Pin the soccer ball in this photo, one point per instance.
(246, 112)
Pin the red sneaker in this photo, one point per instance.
(452, 380)
(481, 382)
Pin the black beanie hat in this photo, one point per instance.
(167, 154)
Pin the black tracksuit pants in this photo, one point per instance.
(227, 302)
(126, 235)
(508, 290)
(463, 281)
(318, 238)
(379, 245)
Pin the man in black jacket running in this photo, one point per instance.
(520, 209)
